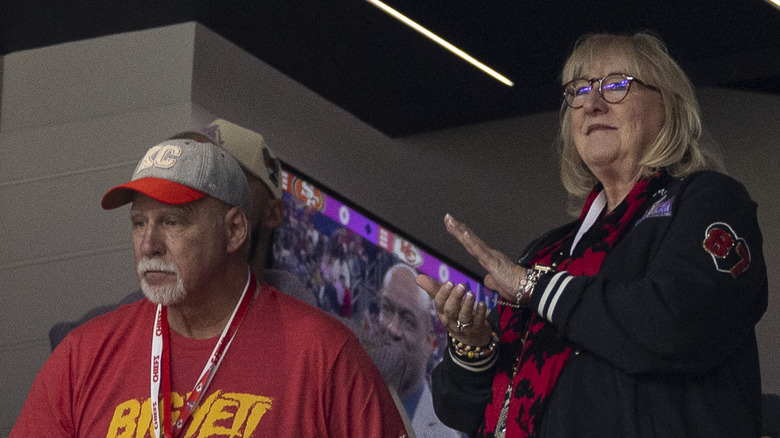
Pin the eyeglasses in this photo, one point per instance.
(613, 88)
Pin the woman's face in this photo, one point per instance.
(613, 138)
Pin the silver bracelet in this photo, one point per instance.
(528, 283)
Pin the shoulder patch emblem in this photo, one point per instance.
(729, 252)
(661, 208)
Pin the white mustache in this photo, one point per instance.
(146, 264)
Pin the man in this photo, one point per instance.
(263, 174)
(274, 367)
(405, 321)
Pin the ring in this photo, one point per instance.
(460, 326)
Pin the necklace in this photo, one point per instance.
(501, 424)
(504, 302)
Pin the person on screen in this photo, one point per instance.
(272, 365)
(406, 324)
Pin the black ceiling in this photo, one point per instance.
(401, 83)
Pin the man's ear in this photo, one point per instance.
(237, 227)
(273, 214)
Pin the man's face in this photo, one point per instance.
(179, 249)
(261, 196)
(405, 319)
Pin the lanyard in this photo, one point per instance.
(160, 364)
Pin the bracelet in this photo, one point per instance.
(527, 283)
(470, 352)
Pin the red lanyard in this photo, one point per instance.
(160, 365)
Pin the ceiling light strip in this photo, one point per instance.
(775, 3)
(402, 18)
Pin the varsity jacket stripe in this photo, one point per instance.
(551, 293)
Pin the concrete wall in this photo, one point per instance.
(75, 118)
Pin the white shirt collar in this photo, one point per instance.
(593, 213)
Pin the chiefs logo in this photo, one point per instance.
(729, 252)
(407, 252)
(403, 249)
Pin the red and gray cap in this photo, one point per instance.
(181, 171)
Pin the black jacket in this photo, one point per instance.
(663, 335)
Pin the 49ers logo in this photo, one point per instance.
(729, 252)
(308, 194)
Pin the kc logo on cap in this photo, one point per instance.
(162, 156)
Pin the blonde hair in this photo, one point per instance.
(678, 146)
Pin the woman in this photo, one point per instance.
(637, 319)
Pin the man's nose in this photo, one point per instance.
(151, 241)
(392, 325)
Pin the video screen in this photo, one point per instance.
(361, 270)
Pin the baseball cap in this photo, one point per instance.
(182, 170)
(252, 152)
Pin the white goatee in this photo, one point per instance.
(167, 294)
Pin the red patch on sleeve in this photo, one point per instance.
(729, 252)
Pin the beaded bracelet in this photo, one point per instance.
(470, 352)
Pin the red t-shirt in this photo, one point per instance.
(291, 370)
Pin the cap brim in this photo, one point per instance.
(163, 190)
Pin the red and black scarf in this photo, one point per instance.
(539, 350)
